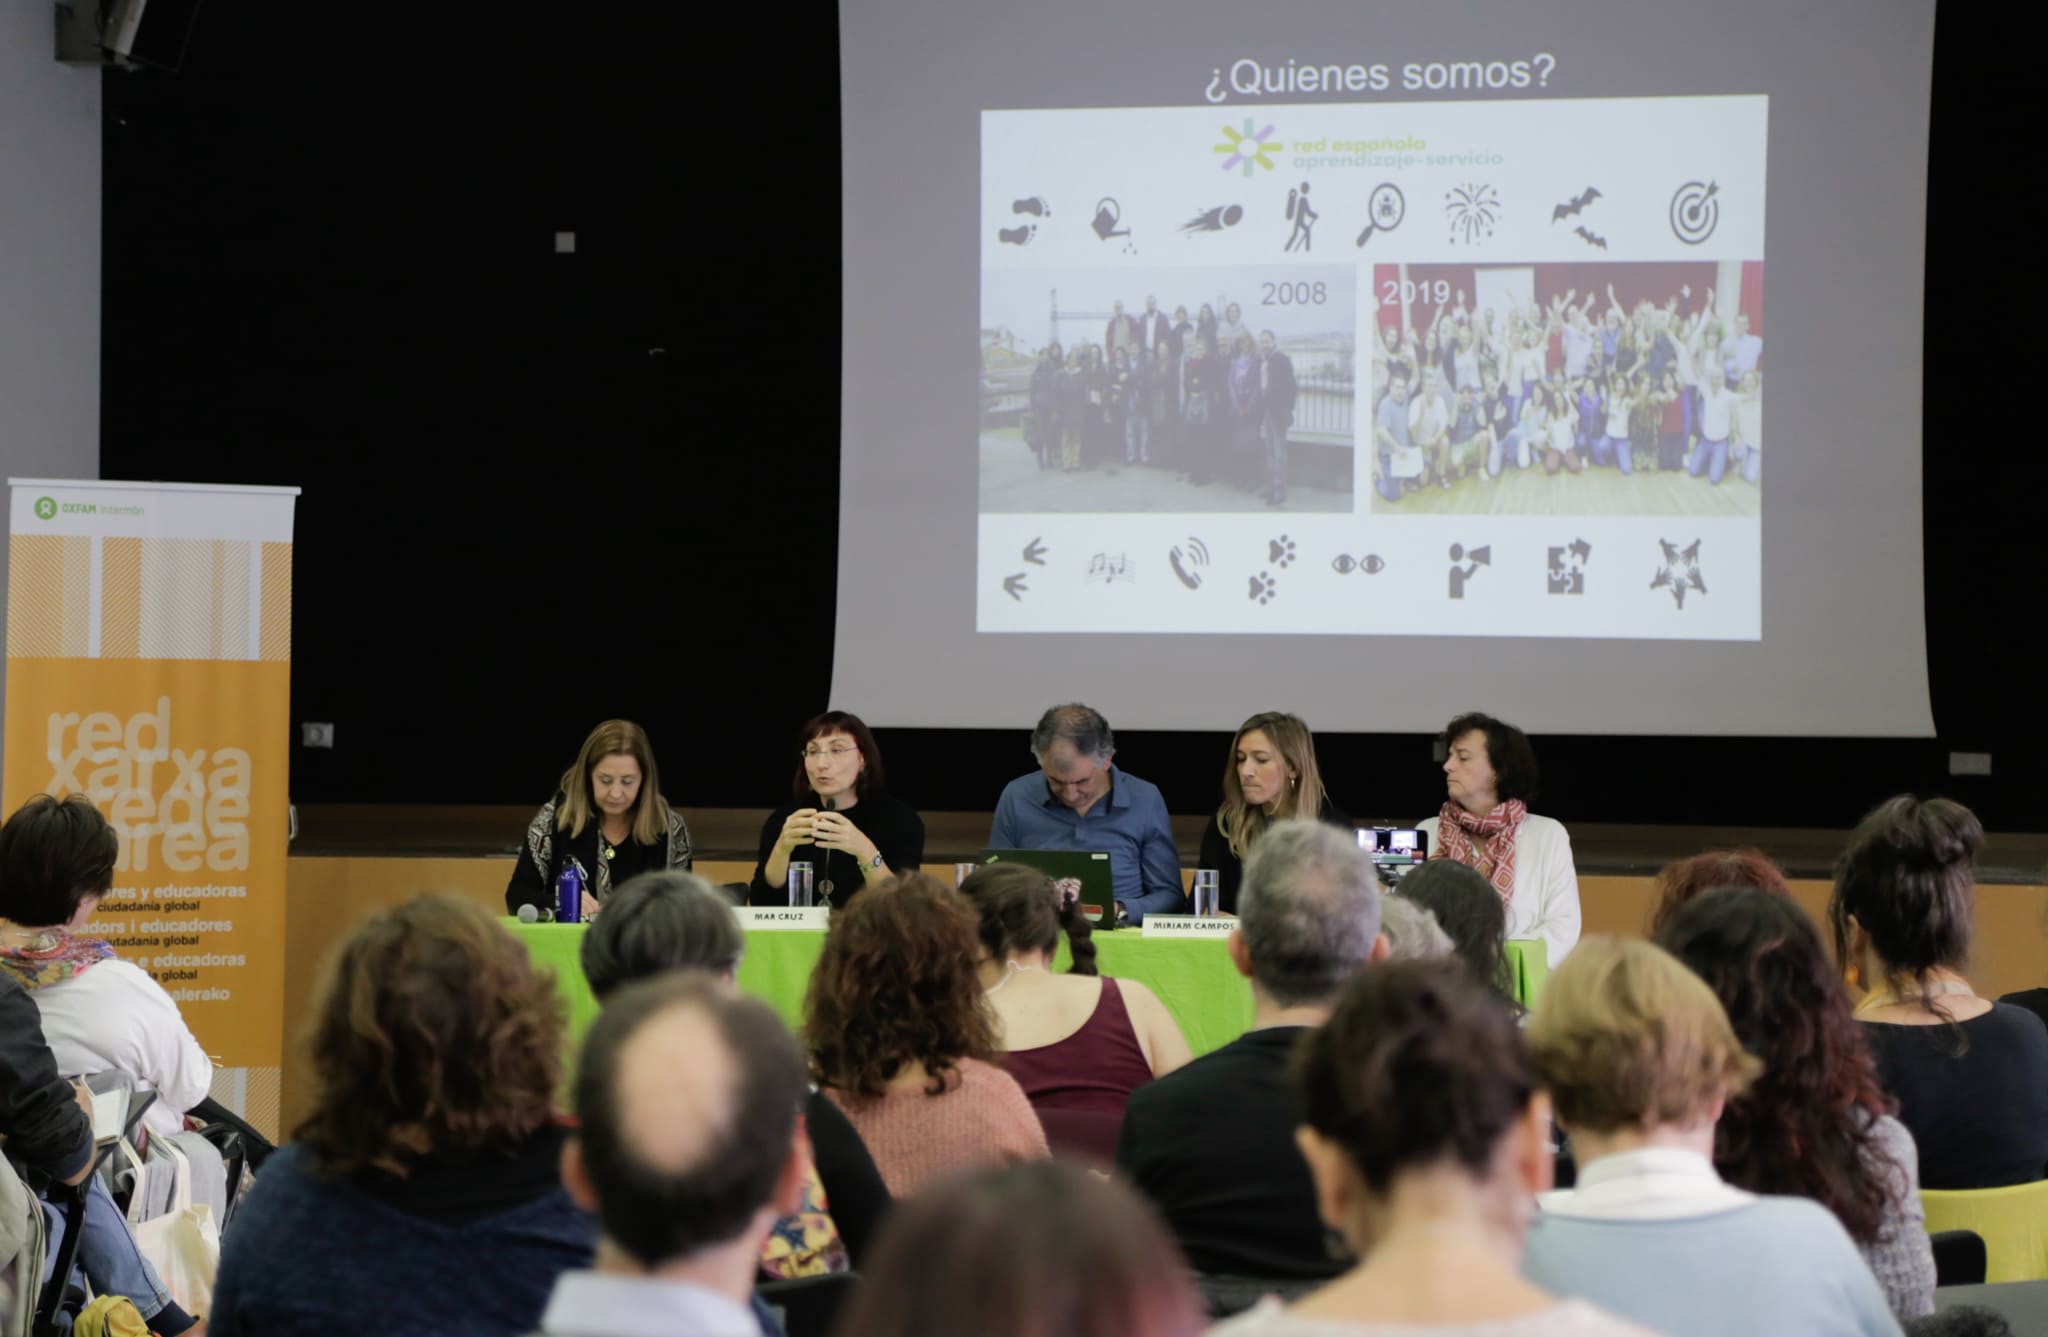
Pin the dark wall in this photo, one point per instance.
(542, 489)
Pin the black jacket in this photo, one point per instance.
(47, 1134)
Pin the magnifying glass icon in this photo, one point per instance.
(1384, 210)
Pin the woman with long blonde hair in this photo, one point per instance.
(607, 819)
(1271, 777)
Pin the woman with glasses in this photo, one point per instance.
(839, 820)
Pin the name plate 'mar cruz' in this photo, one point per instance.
(803, 918)
(1217, 927)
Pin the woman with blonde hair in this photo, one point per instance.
(1271, 777)
(1640, 1058)
(607, 820)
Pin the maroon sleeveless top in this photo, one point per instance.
(1079, 1085)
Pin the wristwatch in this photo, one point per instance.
(876, 862)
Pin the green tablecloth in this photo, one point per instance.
(1193, 977)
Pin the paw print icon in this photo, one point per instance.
(1263, 588)
(1280, 552)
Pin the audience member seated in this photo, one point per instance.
(1077, 1043)
(1970, 1075)
(1426, 1138)
(1271, 776)
(99, 1013)
(840, 819)
(1814, 1121)
(1639, 1060)
(1079, 800)
(607, 820)
(903, 1041)
(1490, 775)
(423, 1193)
(1212, 1145)
(661, 922)
(1678, 883)
(1465, 905)
(1412, 932)
(46, 1134)
(689, 1148)
(1029, 1250)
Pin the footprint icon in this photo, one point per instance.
(1280, 552)
(1034, 206)
(1016, 236)
(1262, 588)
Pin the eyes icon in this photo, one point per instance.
(1344, 564)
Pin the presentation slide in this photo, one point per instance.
(1198, 360)
(1463, 369)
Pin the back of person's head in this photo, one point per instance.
(54, 855)
(1804, 1125)
(1907, 881)
(657, 922)
(1038, 1249)
(1467, 907)
(1419, 1065)
(1412, 932)
(432, 1032)
(896, 983)
(1679, 882)
(1022, 911)
(686, 1104)
(1628, 1039)
(1308, 910)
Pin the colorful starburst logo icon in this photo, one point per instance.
(1246, 149)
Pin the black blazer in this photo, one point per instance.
(1229, 868)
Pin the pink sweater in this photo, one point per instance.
(981, 1119)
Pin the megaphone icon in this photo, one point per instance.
(1108, 213)
(1483, 556)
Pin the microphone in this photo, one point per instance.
(531, 915)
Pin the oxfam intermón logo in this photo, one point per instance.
(46, 508)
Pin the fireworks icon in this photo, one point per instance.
(1473, 211)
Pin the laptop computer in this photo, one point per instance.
(1087, 870)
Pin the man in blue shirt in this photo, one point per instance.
(1078, 800)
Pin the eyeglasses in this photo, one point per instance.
(815, 751)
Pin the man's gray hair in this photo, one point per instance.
(1309, 909)
(1412, 931)
(1082, 726)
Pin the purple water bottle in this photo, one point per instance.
(569, 894)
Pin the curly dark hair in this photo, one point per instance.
(897, 984)
(1508, 751)
(1681, 881)
(433, 1031)
(1805, 1125)
(1418, 1062)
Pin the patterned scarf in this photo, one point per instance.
(1486, 843)
(52, 957)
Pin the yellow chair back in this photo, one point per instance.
(2012, 1221)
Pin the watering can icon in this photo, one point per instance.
(1108, 213)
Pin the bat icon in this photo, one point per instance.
(1573, 206)
(1592, 239)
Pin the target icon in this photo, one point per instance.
(1696, 211)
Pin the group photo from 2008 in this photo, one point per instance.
(1584, 389)
(1163, 390)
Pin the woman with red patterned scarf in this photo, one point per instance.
(1490, 776)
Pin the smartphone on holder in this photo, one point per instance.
(1394, 846)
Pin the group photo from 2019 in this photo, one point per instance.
(1195, 390)
(1582, 389)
